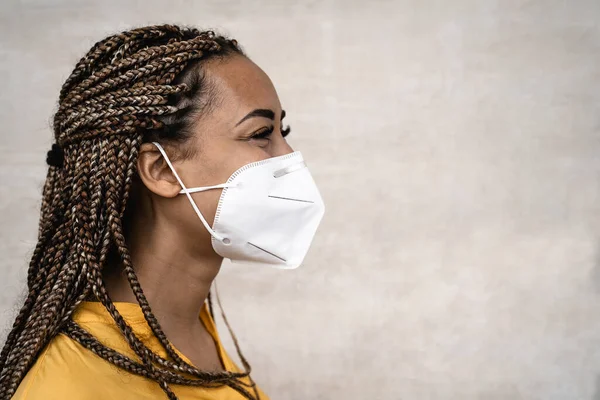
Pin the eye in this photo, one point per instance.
(286, 131)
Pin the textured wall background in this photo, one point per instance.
(456, 144)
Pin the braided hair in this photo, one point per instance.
(138, 86)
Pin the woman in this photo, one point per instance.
(159, 131)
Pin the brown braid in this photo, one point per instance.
(137, 86)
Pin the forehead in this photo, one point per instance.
(241, 85)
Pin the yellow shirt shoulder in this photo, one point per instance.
(65, 369)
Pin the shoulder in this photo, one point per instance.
(47, 377)
(65, 369)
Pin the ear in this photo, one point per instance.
(155, 173)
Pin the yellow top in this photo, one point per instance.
(67, 370)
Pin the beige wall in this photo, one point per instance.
(457, 146)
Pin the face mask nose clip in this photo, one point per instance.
(288, 170)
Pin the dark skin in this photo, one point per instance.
(170, 247)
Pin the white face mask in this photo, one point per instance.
(268, 212)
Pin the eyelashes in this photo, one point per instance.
(266, 133)
(262, 134)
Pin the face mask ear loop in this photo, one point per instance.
(187, 193)
(205, 188)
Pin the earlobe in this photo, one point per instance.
(155, 173)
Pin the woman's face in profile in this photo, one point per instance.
(242, 124)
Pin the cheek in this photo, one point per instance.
(207, 204)
(186, 221)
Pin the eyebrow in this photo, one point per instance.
(261, 113)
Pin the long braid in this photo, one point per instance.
(46, 221)
(34, 270)
(126, 90)
(58, 243)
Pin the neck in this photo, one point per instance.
(175, 284)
